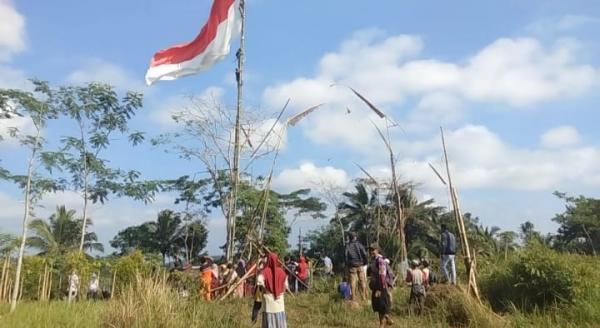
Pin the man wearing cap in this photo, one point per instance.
(356, 259)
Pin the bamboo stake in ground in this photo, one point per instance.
(112, 287)
(4, 276)
(472, 279)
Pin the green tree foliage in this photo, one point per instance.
(274, 228)
(579, 229)
(60, 233)
(166, 236)
(99, 116)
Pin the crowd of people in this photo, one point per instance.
(366, 271)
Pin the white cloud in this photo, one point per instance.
(308, 175)
(481, 159)
(100, 70)
(569, 22)
(12, 30)
(562, 136)
(518, 72)
(12, 41)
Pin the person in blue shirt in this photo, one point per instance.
(345, 290)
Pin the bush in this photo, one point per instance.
(538, 278)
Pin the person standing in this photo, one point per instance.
(448, 251)
(273, 282)
(328, 265)
(356, 259)
(206, 279)
(380, 297)
(291, 266)
(302, 273)
(417, 280)
(93, 288)
(73, 285)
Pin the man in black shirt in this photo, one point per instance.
(356, 260)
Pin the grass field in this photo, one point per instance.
(447, 307)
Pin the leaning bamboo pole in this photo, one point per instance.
(472, 276)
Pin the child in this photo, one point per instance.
(345, 290)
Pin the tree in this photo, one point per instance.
(507, 241)
(166, 232)
(210, 126)
(579, 224)
(528, 233)
(60, 234)
(134, 238)
(38, 107)
(99, 115)
(166, 236)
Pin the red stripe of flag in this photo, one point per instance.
(187, 51)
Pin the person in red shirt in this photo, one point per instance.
(302, 273)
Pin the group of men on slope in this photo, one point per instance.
(381, 277)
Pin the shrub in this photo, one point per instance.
(538, 278)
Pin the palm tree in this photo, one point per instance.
(359, 211)
(507, 240)
(166, 232)
(60, 233)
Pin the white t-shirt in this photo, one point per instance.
(272, 305)
(328, 264)
(94, 285)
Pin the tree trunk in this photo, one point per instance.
(30, 171)
(85, 206)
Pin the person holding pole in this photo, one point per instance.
(448, 251)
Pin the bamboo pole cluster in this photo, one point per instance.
(5, 280)
(470, 262)
(45, 283)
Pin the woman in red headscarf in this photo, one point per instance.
(302, 273)
(273, 281)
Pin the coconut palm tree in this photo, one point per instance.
(60, 233)
(166, 233)
(358, 211)
(507, 241)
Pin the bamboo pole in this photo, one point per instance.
(44, 282)
(39, 289)
(21, 288)
(112, 287)
(239, 73)
(471, 274)
(49, 284)
(3, 277)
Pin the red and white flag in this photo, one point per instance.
(210, 46)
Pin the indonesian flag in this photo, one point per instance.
(210, 46)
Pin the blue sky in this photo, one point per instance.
(514, 83)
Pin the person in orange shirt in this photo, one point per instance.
(206, 277)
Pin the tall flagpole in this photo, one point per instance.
(235, 174)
